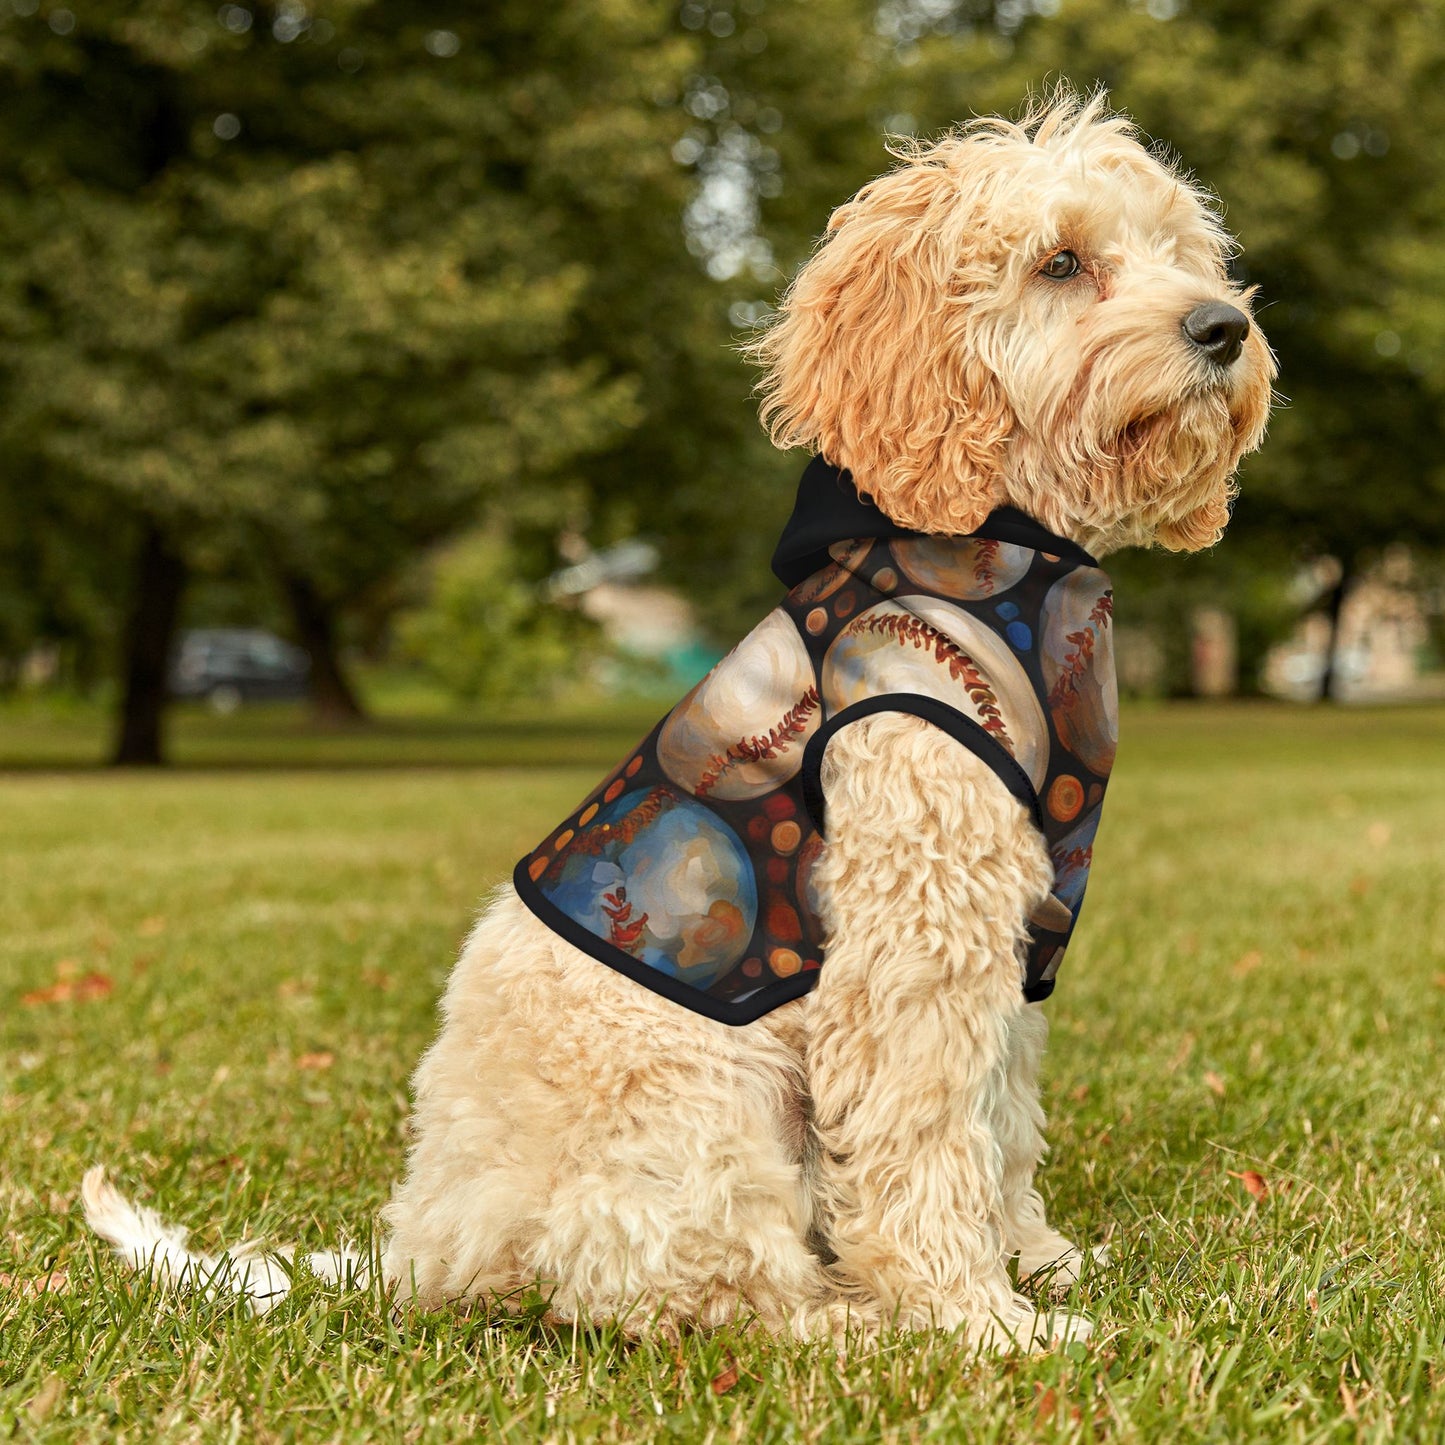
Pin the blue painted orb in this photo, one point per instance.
(663, 879)
(1071, 856)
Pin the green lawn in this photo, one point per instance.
(252, 958)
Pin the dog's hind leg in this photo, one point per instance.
(578, 1135)
(929, 873)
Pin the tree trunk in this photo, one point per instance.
(1329, 677)
(333, 699)
(160, 579)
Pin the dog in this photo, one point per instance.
(1027, 318)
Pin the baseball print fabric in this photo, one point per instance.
(688, 868)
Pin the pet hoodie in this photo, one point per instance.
(690, 867)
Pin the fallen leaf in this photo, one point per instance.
(45, 1399)
(1440, 980)
(66, 990)
(1080, 1094)
(1046, 1408)
(1248, 962)
(56, 1282)
(1255, 1184)
(1214, 1083)
(322, 1059)
(56, 993)
(1360, 885)
(722, 1383)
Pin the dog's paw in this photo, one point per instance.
(1058, 1270)
(1060, 1328)
(1023, 1326)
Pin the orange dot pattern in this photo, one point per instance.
(1066, 797)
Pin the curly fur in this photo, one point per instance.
(865, 1155)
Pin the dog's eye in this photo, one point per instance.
(1060, 266)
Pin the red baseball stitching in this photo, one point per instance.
(984, 560)
(1065, 691)
(757, 748)
(622, 930)
(961, 667)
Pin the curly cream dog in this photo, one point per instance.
(1031, 314)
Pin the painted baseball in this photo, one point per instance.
(931, 647)
(1071, 856)
(1077, 657)
(846, 558)
(663, 879)
(970, 570)
(741, 731)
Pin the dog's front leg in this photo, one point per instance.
(929, 874)
(1042, 1251)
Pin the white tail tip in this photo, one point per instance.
(147, 1243)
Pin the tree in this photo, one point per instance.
(282, 283)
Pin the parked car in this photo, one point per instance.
(230, 665)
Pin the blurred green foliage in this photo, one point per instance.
(484, 632)
(309, 289)
(323, 286)
(309, 298)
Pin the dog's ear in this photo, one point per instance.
(873, 360)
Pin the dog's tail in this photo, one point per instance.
(147, 1243)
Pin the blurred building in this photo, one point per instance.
(656, 643)
(1382, 650)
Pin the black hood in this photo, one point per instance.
(830, 509)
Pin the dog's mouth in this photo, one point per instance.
(1170, 429)
(1199, 412)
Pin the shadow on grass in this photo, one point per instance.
(284, 738)
(597, 733)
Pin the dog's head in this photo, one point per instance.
(1035, 313)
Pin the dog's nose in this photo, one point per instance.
(1218, 330)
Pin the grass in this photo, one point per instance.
(230, 974)
(411, 727)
